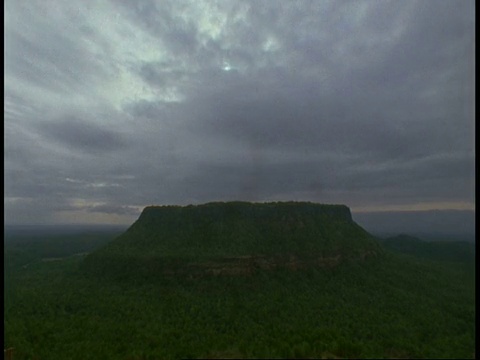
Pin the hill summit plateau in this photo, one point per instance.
(234, 238)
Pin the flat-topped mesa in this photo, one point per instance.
(218, 210)
(210, 232)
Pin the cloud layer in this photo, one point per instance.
(116, 105)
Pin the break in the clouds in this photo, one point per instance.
(111, 106)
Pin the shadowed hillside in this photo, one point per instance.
(234, 237)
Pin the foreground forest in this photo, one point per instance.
(396, 305)
(239, 280)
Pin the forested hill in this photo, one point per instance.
(242, 234)
(460, 251)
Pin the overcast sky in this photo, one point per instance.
(111, 106)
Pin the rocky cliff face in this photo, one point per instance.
(248, 265)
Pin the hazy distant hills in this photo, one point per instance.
(239, 234)
(460, 251)
(428, 225)
(48, 230)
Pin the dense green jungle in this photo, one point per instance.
(410, 300)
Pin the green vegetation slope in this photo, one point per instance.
(240, 235)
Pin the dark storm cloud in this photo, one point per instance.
(162, 20)
(82, 135)
(48, 55)
(116, 106)
(41, 65)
